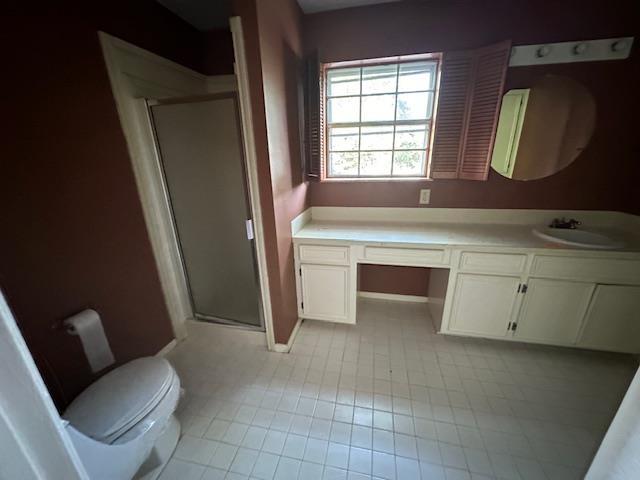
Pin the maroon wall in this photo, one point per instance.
(394, 279)
(603, 177)
(73, 232)
(218, 52)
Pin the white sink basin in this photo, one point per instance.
(577, 238)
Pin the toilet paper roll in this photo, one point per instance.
(88, 326)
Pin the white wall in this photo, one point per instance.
(619, 455)
(33, 441)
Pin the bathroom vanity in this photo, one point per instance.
(490, 275)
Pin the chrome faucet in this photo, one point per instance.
(564, 223)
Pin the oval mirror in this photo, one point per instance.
(543, 129)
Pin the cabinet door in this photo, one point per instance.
(552, 310)
(613, 319)
(325, 292)
(484, 304)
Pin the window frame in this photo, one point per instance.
(430, 122)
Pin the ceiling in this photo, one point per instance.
(202, 14)
(313, 6)
(211, 14)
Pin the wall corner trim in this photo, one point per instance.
(167, 348)
(394, 296)
(246, 113)
(286, 347)
(221, 83)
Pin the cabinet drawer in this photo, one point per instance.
(590, 269)
(492, 262)
(324, 254)
(406, 256)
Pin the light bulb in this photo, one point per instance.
(580, 48)
(543, 51)
(619, 46)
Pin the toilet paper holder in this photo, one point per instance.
(87, 327)
(63, 324)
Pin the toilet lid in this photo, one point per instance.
(120, 399)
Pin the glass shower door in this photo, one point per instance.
(200, 146)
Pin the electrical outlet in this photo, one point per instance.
(425, 196)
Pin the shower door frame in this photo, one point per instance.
(152, 76)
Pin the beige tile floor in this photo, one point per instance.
(388, 399)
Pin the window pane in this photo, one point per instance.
(409, 163)
(343, 164)
(378, 119)
(379, 79)
(378, 108)
(414, 106)
(375, 163)
(345, 81)
(343, 138)
(377, 138)
(417, 76)
(342, 110)
(411, 137)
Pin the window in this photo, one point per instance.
(376, 120)
(379, 119)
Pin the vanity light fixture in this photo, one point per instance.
(568, 52)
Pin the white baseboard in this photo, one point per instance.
(286, 347)
(394, 296)
(167, 348)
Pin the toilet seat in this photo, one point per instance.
(118, 401)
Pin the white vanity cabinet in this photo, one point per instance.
(556, 300)
(484, 304)
(326, 283)
(567, 297)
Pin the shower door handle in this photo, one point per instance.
(249, 226)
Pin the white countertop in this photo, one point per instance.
(445, 234)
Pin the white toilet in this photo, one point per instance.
(123, 425)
